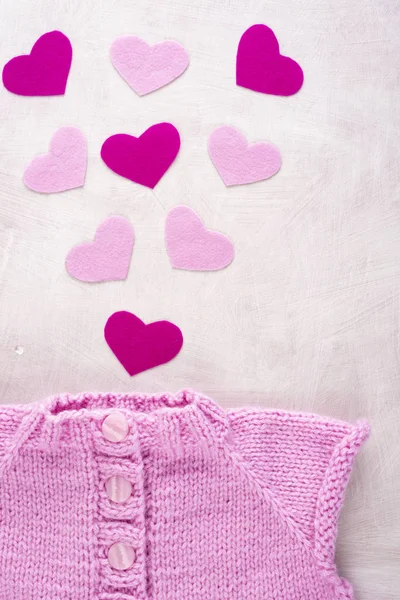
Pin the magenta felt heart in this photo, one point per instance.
(138, 346)
(144, 159)
(43, 72)
(107, 258)
(261, 67)
(193, 247)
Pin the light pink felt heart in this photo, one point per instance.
(147, 68)
(238, 162)
(193, 247)
(107, 258)
(63, 167)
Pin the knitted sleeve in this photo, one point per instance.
(9, 422)
(16, 424)
(305, 462)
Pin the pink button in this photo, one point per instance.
(121, 556)
(115, 427)
(118, 488)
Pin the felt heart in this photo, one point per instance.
(138, 346)
(261, 67)
(144, 159)
(237, 162)
(147, 68)
(43, 72)
(193, 247)
(63, 168)
(107, 258)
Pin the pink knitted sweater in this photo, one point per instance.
(133, 497)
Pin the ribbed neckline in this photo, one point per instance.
(153, 414)
(134, 402)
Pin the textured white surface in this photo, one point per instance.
(307, 315)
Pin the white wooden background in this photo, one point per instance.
(307, 316)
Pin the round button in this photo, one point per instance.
(121, 556)
(115, 427)
(118, 488)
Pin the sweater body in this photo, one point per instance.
(185, 501)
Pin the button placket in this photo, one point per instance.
(120, 505)
(128, 470)
(132, 577)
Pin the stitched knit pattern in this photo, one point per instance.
(236, 505)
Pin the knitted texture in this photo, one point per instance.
(214, 505)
